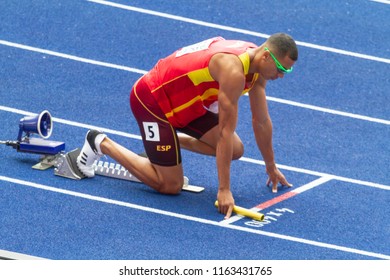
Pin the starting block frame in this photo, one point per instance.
(65, 167)
(53, 153)
(115, 170)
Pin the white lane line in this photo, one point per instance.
(72, 57)
(191, 218)
(237, 30)
(329, 111)
(320, 174)
(381, 1)
(250, 160)
(73, 123)
(139, 71)
(8, 255)
(304, 188)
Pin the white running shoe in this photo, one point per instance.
(90, 152)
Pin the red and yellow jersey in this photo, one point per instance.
(181, 83)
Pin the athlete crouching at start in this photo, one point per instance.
(195, 91)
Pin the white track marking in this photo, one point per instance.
(319, 174)
(72, 57)
(250, 160)
(282, 197)
(381, 1)
(8, 255)
(72, 123)
(237, 30)
(139, 71)
(191, 218)
(313, 184)
(329, 111)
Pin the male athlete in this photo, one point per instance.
(195, 91)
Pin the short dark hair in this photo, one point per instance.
(283, 44)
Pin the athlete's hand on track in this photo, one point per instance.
(225, 203)
(275, 177)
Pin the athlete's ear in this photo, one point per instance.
(265, 55)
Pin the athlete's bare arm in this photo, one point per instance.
(228, 71)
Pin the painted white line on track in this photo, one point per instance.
(319, 174)
(381, 1)
(9, 255)
(237, 30)
(250, 160)
(280, 198)
(73, 123)
(72, 57)
(329, 111)
(193, 219)
(139, 71)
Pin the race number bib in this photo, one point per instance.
(204, 45)
(152, 133)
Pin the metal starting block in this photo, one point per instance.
(117, 171)
(46, 162)
(65, 166)
(105, 168)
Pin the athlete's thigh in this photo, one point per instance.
(159, 137)
(206, 130)
(212, 136)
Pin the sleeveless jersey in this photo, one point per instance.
(181, 83)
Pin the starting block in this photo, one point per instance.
(65, 166)
(53, 154)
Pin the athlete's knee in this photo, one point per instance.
(171, 186)
(238, 150)
(170, 189)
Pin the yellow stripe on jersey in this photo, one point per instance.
(200, 76)
(207, 94)
(210, 92)
(245, 59)
(203, 75)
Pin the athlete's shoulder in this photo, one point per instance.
(234, 44)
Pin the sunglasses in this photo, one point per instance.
(280, 67)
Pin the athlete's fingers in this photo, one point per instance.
(229, 212)
(284, 182)
(275, 186)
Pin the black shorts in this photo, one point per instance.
(158, 135)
